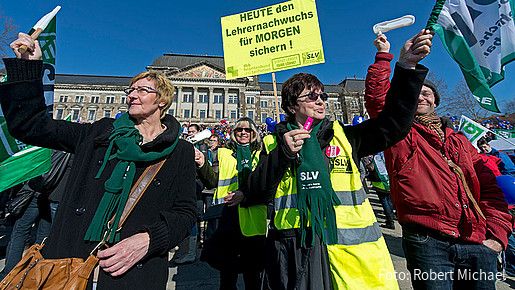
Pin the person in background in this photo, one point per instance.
(187, 252)
(207, 194)
(453, 215)
(109, 157)
(379, 179)
(237, 246)
(506, 166)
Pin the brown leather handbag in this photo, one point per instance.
(36, 272)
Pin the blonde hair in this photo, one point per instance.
(164, 88)
(254, 136)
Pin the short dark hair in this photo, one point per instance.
(294, 86)
(197, 127)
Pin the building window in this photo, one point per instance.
(263, 117)
(92, 114)
(110, 100)
(186, 97)
(202, 97)
(263, 104)
(250, 114)
(79, 99)
(234, 114)
(171, 112)
(337, 106)
(218, 98)
(59, 114)
(250, 100)
(218, 114)
(123, 99)
(75, 114)
(95, 99)
(63, 99)
(186, 113)
(233, 99)
(202, 114)
(354, 104)
(107, 113)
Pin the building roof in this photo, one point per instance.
(353, 85)
(92, 80)
(179, 61)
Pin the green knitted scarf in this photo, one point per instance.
(125, 140)
(315, 195)
(243, 163)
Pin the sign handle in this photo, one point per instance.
(276, 98)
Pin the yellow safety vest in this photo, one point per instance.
(360, 259)
(252, 219)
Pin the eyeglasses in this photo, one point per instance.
(238, 130)
(312, 96)
(141, 91)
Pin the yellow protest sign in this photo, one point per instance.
(272, 38)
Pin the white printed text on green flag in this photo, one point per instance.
(480, 37)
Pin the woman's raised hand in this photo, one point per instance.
(294, 139)
(33, 51)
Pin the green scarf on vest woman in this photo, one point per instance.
(315, 195)
(124, 146)
(243, 163)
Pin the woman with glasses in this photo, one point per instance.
(110, 156)
(237, 245)
(323, 233)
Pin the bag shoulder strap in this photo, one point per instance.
(137, 191)
(461, 175)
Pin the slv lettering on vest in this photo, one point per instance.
(359, 235)
(341, 164)
(350, 198)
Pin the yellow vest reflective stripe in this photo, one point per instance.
(252, 219)
(356, 197)
(379, 185)
(360, 259)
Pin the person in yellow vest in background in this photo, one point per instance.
(323, 233)
(237, 245)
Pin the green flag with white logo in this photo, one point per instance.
(480, 37)
(472, 130)
(20, 162)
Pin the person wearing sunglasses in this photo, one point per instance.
(110, 156)
(237, 245)
(323, 233)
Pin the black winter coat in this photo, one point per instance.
(166, 211)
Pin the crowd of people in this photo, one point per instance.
(287, 209)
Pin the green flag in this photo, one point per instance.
(20, 162)
(480, 37)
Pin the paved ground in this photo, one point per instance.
(199, 276)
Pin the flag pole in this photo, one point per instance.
(435, 13)
(274, 82)
(40, 26)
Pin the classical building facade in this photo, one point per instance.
(203, 95)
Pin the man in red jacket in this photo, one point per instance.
(454, 217)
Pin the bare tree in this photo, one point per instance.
(509, 107)
(461, 102)
(7, 34)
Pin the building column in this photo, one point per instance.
(193, 102)
(210, 103)
(178, 113)
(225, 110)
(242, 107)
